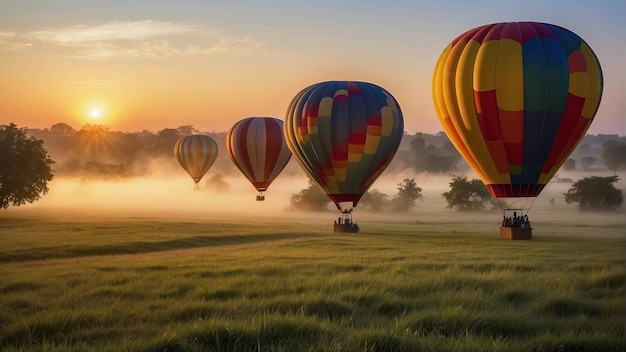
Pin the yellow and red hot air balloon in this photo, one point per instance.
(515, 99)
(344, 134)
(256, 145)
(196, 154)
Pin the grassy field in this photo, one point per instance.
(267, 284)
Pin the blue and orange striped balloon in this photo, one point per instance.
(256, 145)
(196, 154)
(344, 134)
(515, 99)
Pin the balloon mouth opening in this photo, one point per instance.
(515, 190)
(260, 186)
(345, 202)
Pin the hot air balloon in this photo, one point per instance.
(344, 134)
(515, 99)
(257, 147)
(196, 154)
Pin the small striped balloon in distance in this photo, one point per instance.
(256, 145)
(344, 134)
(196, 154)
(515, 98)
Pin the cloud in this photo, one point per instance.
(129, 39)
(11, 41)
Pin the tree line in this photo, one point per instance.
(590, 193)
(94, 151)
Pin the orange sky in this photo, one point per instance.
(158, 64)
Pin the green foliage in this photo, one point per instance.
(595, 193)
(466, 195)
(408, 193)
(25, 167)
(310, 198)
(250, 285)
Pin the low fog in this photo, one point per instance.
(168, 193)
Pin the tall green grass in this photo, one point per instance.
(274, 285)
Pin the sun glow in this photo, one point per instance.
(95, 114)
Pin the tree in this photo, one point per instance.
(408, 193)
(440, 163)
(466, 195)
(310, 198)
(587, 162)
(595, 193)
(432, 159)
(569, 164)
(374, 200)
(25, 167)
(614, 155)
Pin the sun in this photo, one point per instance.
(95, 114)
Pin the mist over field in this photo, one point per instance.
(169, 193)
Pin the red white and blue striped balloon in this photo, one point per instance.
(196, 154)
(256, 145)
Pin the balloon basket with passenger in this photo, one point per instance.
(344, 223)
(515, 225)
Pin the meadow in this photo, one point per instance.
(145, 283)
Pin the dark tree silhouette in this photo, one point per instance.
(25, 167)
(569, 164)
(429, 158)
(587, 162)
(374, 200)
(595, 193)
(466, 195)
(408, 193)
(310, 198)
(614, 155)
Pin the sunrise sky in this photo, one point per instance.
(154, 64)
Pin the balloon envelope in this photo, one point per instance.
(344, 134)
(196, 154)
(256, 145)
(515, 99)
